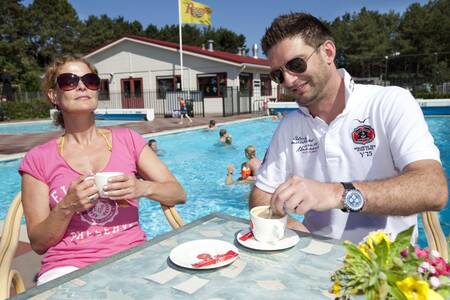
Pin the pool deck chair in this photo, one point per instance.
(172, 216)
(433, 231)
(8, 245)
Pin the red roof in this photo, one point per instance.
(188, 48)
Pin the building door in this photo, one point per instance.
(132, 94)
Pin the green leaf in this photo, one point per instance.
(394, 276)
(382, 253)
(402, 241)
(356, 253)
(396, 293)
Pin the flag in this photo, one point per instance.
(195, 13)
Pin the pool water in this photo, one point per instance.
(199, 162)
(43, 126)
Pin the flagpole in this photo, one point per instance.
(180, 24)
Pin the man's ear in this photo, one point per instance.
(330, 51)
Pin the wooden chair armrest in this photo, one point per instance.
(8, 246)
(172, 216)
(434, 233)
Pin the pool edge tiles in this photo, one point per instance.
(10, 157)
(172, 131)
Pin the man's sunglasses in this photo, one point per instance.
(69, 81)
(296, 65)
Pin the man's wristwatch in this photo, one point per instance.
(352, 198)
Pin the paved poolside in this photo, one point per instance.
(14, 146)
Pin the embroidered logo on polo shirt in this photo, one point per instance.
(305, 144)
(363, 134)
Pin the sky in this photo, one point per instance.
(247, 17)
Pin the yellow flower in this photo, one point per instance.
(414, 289)
(373, 239)
(335, 288)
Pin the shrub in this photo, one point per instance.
(426, 95)
(35, 109)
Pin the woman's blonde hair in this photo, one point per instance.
(49, 82)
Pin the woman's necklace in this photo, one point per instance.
(62, 139)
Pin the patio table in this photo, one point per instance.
(145, 272)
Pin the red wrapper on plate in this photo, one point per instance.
(207, 260)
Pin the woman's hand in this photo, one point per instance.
(124, 187)
(82, 195)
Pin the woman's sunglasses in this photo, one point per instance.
(296, 65)
(69, 81)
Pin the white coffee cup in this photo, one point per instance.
(266, 229)
(101, 179)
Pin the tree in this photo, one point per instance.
(99, 30)
(14, 47)
(152, 31)
(54, 31)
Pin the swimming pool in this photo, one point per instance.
(199, 163)
(43, 126)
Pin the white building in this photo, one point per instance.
(140, 72)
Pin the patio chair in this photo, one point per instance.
(172, 216)
(433, 231)
(8, 245)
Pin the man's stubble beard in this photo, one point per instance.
(317, 85)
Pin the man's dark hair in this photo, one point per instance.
(308, 27)
(150, 142)
(222, 132)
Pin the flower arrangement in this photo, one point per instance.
(381, 268)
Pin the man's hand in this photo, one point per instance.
(299, 195)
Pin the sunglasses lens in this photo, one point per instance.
(91, 81)
(67, 81)
(277, 76)
(296, 65)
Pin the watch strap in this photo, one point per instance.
(347, 186)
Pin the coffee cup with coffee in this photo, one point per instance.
(266, 227)
(101, 179)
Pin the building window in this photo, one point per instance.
(245, 84)
(212, 85)
(103, 94)
(167, 84)
(266, 85)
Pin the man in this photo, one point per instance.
(253, 162)
(223, 135)
(362, 149)
(183, 110)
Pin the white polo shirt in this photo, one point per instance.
(380, 131)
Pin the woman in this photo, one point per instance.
(66, 219)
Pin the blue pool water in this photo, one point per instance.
(43, 126)
(199, 163)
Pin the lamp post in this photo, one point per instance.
(385, 70)
(386, 65)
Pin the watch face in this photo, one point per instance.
(354, 200)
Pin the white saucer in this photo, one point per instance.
(290, 240)
(186, 254)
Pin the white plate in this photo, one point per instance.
(186, 254)
(290, 240)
